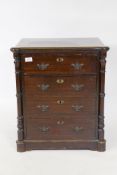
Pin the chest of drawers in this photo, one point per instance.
(60, 93)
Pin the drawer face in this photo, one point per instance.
(49, 63)
(80, 86)
(60, 129)
(37, 106)
(60, 96)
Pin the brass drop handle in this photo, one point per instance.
(43, 108)
(77, 108)
(77, 129)
(77, 87)
(42, 66)
(60, 102)
(60, 59)
(77, 66)
(43, 87)
(60, 81)
(44, 129)
(60, 122)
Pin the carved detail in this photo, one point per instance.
(101, 122)
(15, 51)
(20, 122)
(101, 127)
(20, 126)
(17, 59)
(102, 60)
(103, 53)
(18, 95)
(101, 95)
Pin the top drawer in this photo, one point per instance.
(56, 63)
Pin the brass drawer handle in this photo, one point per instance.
(43, 108)
(77, 87)
(42, 66)
(60, 81)
(77, 129)
(44, 129)
(60, 122)
(77, 108)
(60, 59)
(43, 87)
(77, 66)
(60, 102)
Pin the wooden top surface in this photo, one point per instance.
(31, 43)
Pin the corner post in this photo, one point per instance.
(20, 121)
(102, 142)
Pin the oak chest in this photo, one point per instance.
(60, 93)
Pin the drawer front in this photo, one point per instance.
(37, 106)
(61, 129)
(46, 63)
(81, 86)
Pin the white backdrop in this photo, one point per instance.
(56, 18)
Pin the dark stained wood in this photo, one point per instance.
(60, 93)
(20, 121)
(60, 128)
(75, 86)
(58, 145)
(89, 63)
(69, 106)
(59, 42)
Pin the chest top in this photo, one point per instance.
(28, 43)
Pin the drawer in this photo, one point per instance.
(60, 128)
(80, 86)
(51, 63)
(37, 106)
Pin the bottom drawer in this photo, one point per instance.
(70, 128)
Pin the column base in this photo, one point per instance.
(102, 146)
(20, 146)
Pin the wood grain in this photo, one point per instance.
(53, 113)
